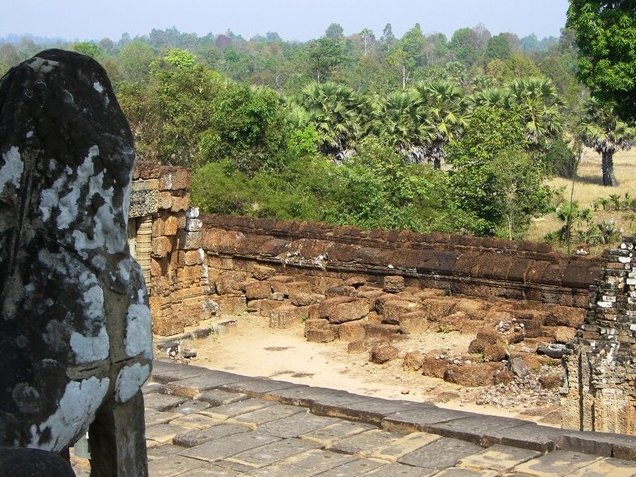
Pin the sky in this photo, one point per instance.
(291, 19)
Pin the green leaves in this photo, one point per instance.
(606, 37)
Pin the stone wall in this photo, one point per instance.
(481, 267)
(166, 235)
(600, 387)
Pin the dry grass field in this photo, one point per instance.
(588, 189)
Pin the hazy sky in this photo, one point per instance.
(292, 19)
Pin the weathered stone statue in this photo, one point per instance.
(75, 335)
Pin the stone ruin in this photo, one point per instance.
(75, 328)
(599, 392)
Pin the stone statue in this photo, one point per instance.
(75, 330)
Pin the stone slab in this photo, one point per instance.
(498, 457)
(191, 406)
(458, 472)
(599, 443)
(401, 470)
(152, 417)
(272, 453)
(197, 437)
(257, 387)
(231, 445)
(236, 408)
(556, 464)
(393, 450)
(362, 408)
(256, 418)
(607, 467)
(531, 436)
(163, 451)
(211, 471)
(306, 464)
(298, 425)
(364, 443)
(194, 421)
(192, 387)
(339, 430)
(162, 434)
(422, 419)
(356, 468)
(163, 402)
(173, 465)
(219, 397)
(307, 396)
(440, 454)
(481, 430)
(166, 371)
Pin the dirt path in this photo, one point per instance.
(251, 348)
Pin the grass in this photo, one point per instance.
(588, 188)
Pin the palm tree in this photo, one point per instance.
(341, 116)
(444, 103)
(605, 133)
(403, 124)
(539, 107)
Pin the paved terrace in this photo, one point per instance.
(202, 422)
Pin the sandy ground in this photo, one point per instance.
(251, 348)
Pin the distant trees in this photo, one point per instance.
(604, 132)
(606, 34)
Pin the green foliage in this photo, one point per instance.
(377, 190)
(248, 128)
(89, 49)
(562, 160)
(606, 37)
(493, 180)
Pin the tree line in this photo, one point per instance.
(420, 132)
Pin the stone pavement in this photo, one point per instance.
(201, 422)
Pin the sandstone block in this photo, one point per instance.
(258, 290)
(413, 323)
(395, 309)
(320, 336)
(171, 226)
(356, 281)
(261, 272)
(158, 227)
(267, 306)
(380, 331)
(191, 257)
(165, 200)
(471, 375)
(413, 360)
(434, 366)
(189, 240)
(352, 331)
(305, 299)
(360, 346)
(563, 334)
(434, 309)
(231, 283)
(285, 317)
(382, 353)
(328, 306)
(393, 284)
(564, 316)
(317, 324)
(161, 246)
(232, 305)
(340, 291)
(180, 203)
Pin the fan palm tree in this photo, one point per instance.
(404, 125)
(446, 107)
(341, 116)
(539, 108)
(605, 133)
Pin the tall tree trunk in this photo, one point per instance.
(607, 165)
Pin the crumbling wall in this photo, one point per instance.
(599, 393)
(168, 239)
